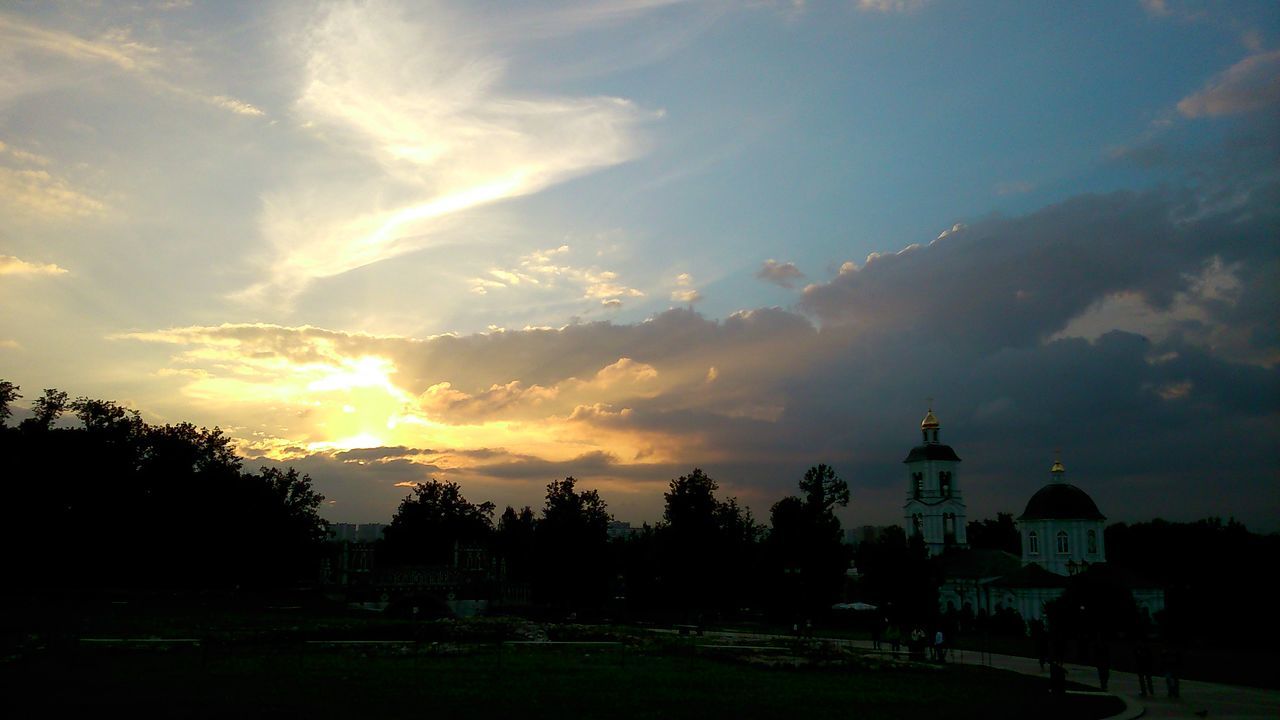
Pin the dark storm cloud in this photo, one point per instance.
(1015, 281)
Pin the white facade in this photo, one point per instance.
(1062, 529)
(1062, 533)
(1064, 547)
(935, 505)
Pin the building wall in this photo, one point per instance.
(933, 505)
(1077, 532)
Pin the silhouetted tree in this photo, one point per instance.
(1209, 571)
(516, 542)
(46, 410)
(115, 500)
(998, 534)
(1094, 606)
(8, 393)
(430, 521)
(896, 574)
(284, 507)
(706, 547)
(824, 490)
(571, 539)
(805, 545)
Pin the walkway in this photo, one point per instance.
(1199, 699)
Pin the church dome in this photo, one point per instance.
(1060, 501)
(930, 421)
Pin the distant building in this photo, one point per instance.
(1061, 530)
(356, 532)
(935, 505)
(855, 536)
(620, 530)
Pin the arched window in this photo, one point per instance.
(944, 481)
(917, 484)
(1033, 543)
(1093, 542)
(917, 524)
(1062, 543)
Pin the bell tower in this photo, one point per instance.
(935, 505)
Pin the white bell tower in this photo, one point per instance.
(935, 505)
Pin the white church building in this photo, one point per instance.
(1061, 530)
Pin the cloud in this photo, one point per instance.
(420, 112)
(550, 270)
(1248, 86)
(1025, 278)
(685, 293)
(782, 274)
(44, 194)
(1011, 322)
(10, 265)
(239, 107)
(115, 49)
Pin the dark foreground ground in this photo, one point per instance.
(540, 681)
(153, 656)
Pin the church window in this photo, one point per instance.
(917, 483)
(917, 524)
(1062, 542)
(1033, 543)
(944, 480)
(1093, 542)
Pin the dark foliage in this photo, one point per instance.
(998, 534)
(515, 543)
(898, 576)
(806, 556)
(114, 501)
(571, 542)
(433, 520)
(705, 549)
(1210, 571)
(1093, 606)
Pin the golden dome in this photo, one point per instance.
(1057, 463)
(930, 421)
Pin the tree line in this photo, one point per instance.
(707, 557)
(113, 501)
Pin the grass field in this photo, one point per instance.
(449, 680)
(284, 659)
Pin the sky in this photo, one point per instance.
(503, 243)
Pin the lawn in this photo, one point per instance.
(297, 679)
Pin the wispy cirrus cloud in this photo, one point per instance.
(422, 107)
(1250, 85)
(42, 52)
(45, 194)
(10, 265)
(115, 48)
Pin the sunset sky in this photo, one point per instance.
(501, 243)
